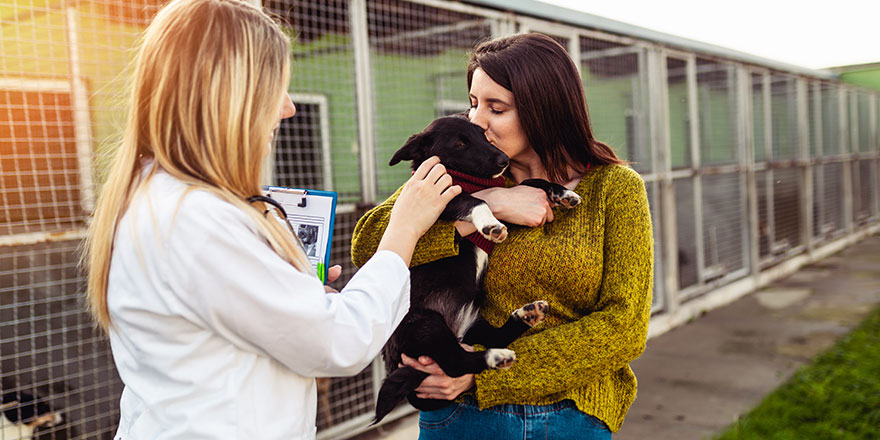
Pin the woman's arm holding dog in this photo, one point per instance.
(521, 205)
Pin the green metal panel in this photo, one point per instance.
(867, 77)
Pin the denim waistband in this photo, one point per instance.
(510, 408)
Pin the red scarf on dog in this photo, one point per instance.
(471, 184)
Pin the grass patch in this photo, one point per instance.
(837, 396)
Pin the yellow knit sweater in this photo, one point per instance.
(594, 264)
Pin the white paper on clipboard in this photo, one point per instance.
(311, 214)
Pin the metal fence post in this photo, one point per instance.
(82, 120)
(875, 143)
(364, 88)
(693, 110)
(658, 108)
(752, 237)
(803, 158)
(846, 165)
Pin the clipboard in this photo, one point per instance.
(311, 213)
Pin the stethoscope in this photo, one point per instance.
(281, 213)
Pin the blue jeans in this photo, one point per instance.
(465, 421)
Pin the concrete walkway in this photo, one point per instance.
(698, 378)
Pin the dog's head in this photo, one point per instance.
(460, 145)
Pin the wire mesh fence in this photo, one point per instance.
(41, 190)
(60, 65)
(418, 53)
(52, 354)
(724, 220)
(615, 82)
(367, 74)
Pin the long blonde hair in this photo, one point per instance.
(207, 82)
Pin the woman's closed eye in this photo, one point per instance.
(491, 110)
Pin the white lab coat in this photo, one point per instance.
(215, 336)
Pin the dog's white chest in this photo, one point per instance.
(465, 319)
(482, 260)
(466, 316)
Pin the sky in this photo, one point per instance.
(806, 33)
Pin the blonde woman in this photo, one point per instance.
(216, 325)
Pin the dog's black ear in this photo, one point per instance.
(410, 150)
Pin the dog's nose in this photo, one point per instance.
(503, 162)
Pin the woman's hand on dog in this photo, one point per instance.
(520, 205)
(418, 206)
(424, 196)
(438, 385)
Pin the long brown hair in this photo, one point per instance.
(207, 83)
(549, 99)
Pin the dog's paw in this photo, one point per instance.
(48, 420)
(568, 199)
(500, 358)
(489, 226)
(496, 232)
(533, 313)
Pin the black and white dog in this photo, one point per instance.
(446, 294)
(21, 414)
